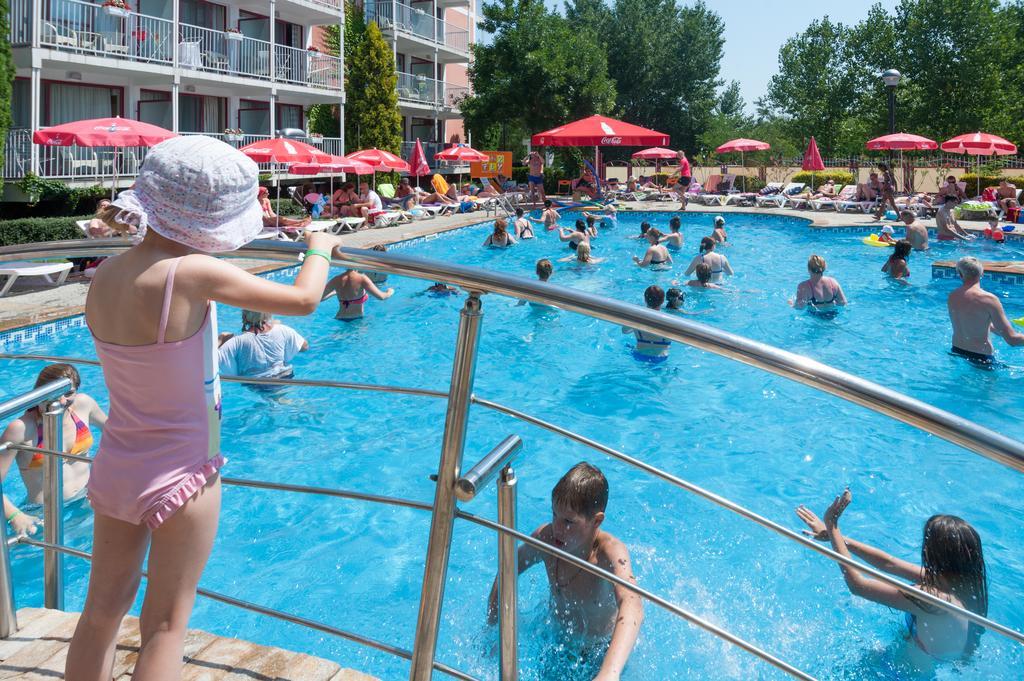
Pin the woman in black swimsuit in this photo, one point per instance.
(656, 254)
(819, 293)
(500, 238)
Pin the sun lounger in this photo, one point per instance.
(779, 200)
(749, 198)
(853, 205)
(720, 194)
(22, 268)
(845, 194)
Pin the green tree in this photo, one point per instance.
(323, 118)
(538, 72)
(372, 117)
(6, 76)
(730, 102)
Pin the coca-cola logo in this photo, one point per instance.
(611, 141)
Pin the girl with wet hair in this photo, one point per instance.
(717, 262)
(896, 265)
(952, 568)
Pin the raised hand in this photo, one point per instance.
(836, 509)
(817, 528)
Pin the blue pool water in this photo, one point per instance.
(761, 440)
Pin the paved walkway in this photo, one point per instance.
(38, 652)
(33, 303)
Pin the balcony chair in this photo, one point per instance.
(60, 37)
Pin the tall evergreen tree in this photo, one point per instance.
(323, 118)
(374, 119)
(6, 75)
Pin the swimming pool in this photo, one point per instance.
(755, 438)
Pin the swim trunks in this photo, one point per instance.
(685, 181)
(974, 357)
(535, 179)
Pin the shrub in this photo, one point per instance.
(32, 230)
(991, 180)
(287, 208)
(840, 177)
(551, 177)
(749, 183)
(53, 197)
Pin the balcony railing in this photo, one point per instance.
(83, 163)
(76, 26)
(423, 90)
(418, 23)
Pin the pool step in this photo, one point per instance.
(39, 650)
(1001, 271)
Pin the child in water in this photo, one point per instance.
(648, 345)
(582, 602)
(582, 256)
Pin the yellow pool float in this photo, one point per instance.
(1019, 322)
(873, 240)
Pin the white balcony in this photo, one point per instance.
(84, 28)
(417, 90)
(420, 30)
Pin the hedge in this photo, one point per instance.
(816, 179)
(32, 230)
(992, 180)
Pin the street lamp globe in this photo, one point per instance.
(892, 77)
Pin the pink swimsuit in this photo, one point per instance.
(162, 439)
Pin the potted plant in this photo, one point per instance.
(315, 138)
(233, 34)
(233, 134)
(116, 8)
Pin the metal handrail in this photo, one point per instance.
(783, 363)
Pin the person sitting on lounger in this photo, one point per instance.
(1006, 195)
(272, 219)
(585, 183)
(951, 188)
(406, 194)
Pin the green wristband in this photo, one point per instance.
(13, 515)
(323, 254)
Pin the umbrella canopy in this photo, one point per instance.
(743, 145)
(380, 159)
(656, 154)
(336, 164)
(812, 157)
(284, 150)
(599, 131)
(461, 153)
(901, 141)
(103, 132)
(979, 144)
(418, 161)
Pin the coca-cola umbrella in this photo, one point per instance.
(337, 164)
(979, 144)
(656, 154)
(113, 132)
(418, 166)
(283, 151)
(380, 160)
(742, 145)
(461, 153)
(901, 141)
(599, 131)
(812, 160)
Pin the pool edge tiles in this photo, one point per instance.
(1002, 272)
(30, 333)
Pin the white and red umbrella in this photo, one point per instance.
(114, 132)
(902, 141)
(418, 166)
(461, 153)
(979, 144)
(656, 154)
(380, 159)
(284, 151)
(743, 145)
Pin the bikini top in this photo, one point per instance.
(82, 443)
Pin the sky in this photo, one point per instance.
(756, 29)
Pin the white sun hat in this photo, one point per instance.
(198, 191)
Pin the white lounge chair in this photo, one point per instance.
(23, 268)
(748, 198)
(853, 205)
(779, 200)
(845, 194)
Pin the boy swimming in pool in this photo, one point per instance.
(583, 603)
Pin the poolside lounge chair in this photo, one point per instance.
(845, 194)
(748, 198)
(853, 205)
(710, 187)
(22, 268)
(344, 225)
(721, 194)
(779, 200)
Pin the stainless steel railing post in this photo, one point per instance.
(8, 611)
(435, 571)
(53, 506)
(508, 575)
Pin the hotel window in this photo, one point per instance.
(155, 107)
(68, 102)
(204, 14)
(202, 113)
(289, 116)
(254, 117)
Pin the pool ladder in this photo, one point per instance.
(452, 486)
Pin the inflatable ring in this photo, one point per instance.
(872, 240)
(1019, 322)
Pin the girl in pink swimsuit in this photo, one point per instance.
(151, 310)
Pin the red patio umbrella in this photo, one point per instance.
(979, 144)
(380, 159)
(743, 145)
(599, 131)
(103, 132)
(418, 162)
(812, 160)
(461, 153)
(337, 164)
(902, 141)
(656, 154)
(283, 151)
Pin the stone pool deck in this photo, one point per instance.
(38, 652)
(32, 303)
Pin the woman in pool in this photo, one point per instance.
(644, 226)
(650, 346)
(154, 486)
(353, 289)
(264, 349)
(896, 265)
(819, 293)
(703, 280)
(576, 237)
(673, 240)
(952, 568)
(81, 412)
(499, 238)
(719, 235)
(718, 263)
(674, 299)
(656, 254)
(524, 228)
(582, 256)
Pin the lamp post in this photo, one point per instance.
(892, 78)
